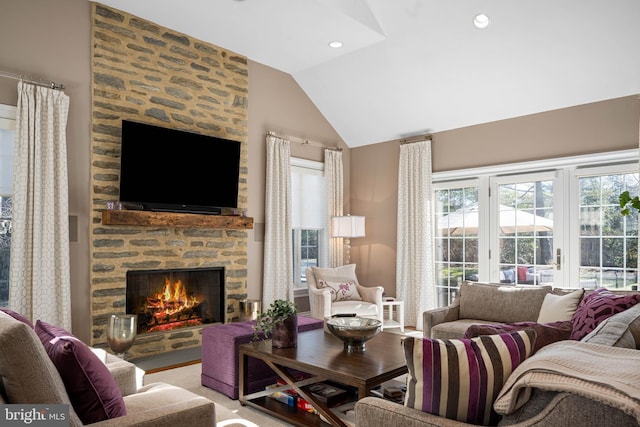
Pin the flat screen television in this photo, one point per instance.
(165, 169)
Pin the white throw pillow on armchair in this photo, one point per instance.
(341, 291)
(344, 273)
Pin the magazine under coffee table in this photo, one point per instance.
(321, 356)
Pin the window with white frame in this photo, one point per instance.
(7, 131)
(557, 224)
(309, 218)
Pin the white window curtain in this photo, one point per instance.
(39, 278)
(278, 249)
(415, 253)
(333, 173)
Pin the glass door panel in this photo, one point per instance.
(608, 240)
(525, 231)
(456, 240)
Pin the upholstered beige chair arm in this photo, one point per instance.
(372, 294)
(375, 412)
(320, 302)
(125, 373)
(431, 318)
(164, 405)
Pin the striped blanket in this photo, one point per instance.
(610, 375)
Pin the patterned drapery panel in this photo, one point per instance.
(39, 278)
(278, 248)
(415, 274)
(333, 173)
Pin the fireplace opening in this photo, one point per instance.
(171, 299)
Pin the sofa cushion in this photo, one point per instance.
(597, 306)
(559, 307)
(344, 273)
(460, 379)
(93, 391)
(546, 333)
(341, 291)
(501, 303)
(27, 374)
(619, 330)
(17, 316)
(455, 329)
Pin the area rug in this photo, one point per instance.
(188, 377)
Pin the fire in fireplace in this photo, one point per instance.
(170, 299)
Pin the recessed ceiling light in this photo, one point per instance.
(481, 21)
(335, 44)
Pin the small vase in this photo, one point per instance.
(285, 334)
(121, 332)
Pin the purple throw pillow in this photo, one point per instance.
(460, 379)
(546, 333)
(93, 391)
(17, 316)
(598, 306)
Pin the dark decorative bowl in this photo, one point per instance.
(354, 331)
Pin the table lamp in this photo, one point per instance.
(347, 227)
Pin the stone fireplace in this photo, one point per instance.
(170, 299)
(144, 72)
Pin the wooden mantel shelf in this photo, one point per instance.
(174, 219)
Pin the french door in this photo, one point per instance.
(526, 228)
(558, 225)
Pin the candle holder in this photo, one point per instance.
(121, 333)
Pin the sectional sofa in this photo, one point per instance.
(586, 374)
(45, 365)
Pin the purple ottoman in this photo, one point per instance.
(220, 365)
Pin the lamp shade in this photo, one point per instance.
(347, 226)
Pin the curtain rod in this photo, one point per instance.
(34, 80)
(413, 139)
(303, 141)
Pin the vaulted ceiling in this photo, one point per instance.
(409, 67)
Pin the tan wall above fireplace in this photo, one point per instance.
(141, 71)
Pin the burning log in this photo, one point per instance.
(172, 307)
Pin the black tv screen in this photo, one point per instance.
(170, 170)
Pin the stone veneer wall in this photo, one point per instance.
(144, 72)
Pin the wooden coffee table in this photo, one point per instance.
(322, 356)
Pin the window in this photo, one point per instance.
(525, 227)
(608, 241)
(559, 223)
(308, 218)
(7, 128)
(457, 238)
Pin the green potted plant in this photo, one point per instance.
(280, 322)
(627, 202)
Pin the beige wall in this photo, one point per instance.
(592, 128)
(47, 40)
(278, 104)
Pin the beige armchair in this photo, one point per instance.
(28, 376)
(323, 303)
